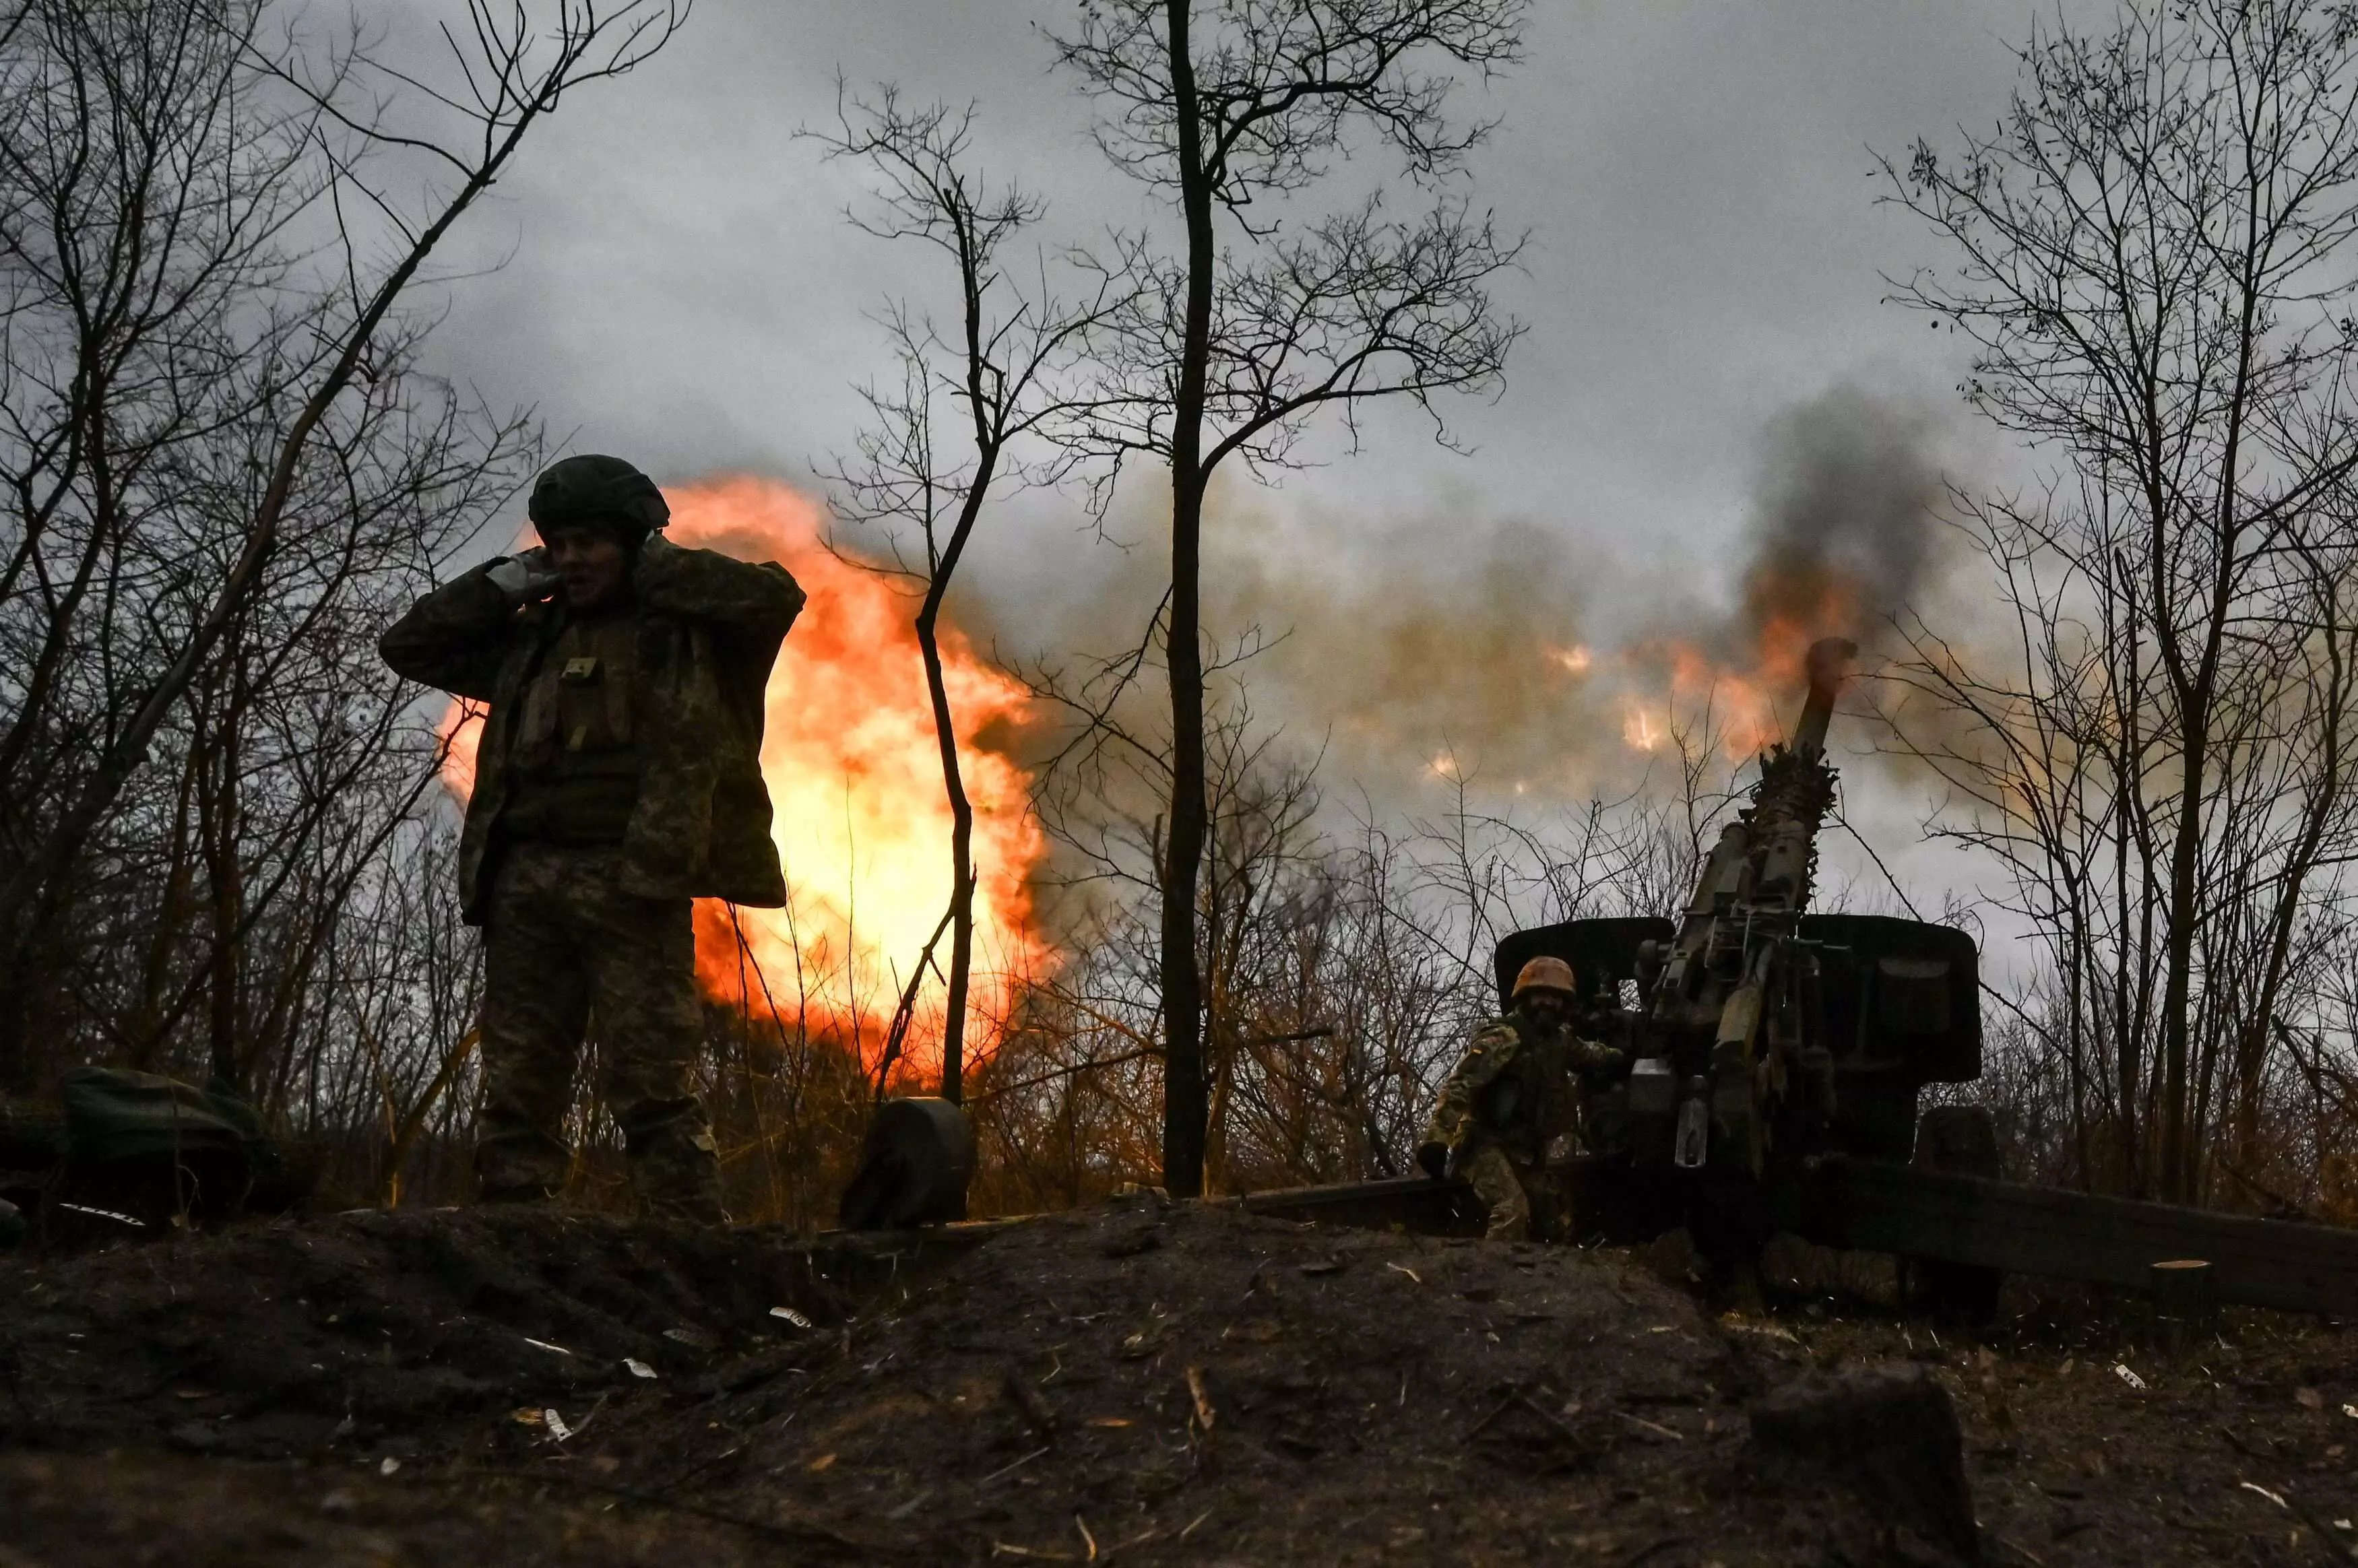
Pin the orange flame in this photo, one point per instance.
(861, 822)
(1740, 695)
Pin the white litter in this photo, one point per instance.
(791, 1315)
(2276, 1498)
(556, 1425)
(2131, 1379)
(638, 1367)
(102, 1213)
(545, 1345)
(389, 1466)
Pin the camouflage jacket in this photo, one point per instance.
(1516, 1087)
(708, 630)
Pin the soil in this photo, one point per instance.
(1139, 1382)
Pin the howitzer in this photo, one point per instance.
(1762, 1038)
(1775, 1059)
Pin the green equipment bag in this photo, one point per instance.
(114, 1117)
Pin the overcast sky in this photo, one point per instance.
(1697, 176)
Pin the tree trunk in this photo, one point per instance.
(2129, 1069)
(222, 828)
(1184, 1107)
(961, 851)
(2185, 861)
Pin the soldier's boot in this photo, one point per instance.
(1492, 1176)
(510, 1168)
(516, 1161)
(675, 1163)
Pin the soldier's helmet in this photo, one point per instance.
(1544, 974)
(593, 489)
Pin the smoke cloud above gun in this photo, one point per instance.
(1512, 650)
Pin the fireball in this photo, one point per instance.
(861, 821)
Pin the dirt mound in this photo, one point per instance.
(381, 1335)
(1141, 1382)
(1210, 1387)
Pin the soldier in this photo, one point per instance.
(617, 776)
(1513, 1091)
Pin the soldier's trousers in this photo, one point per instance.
(564, 944)
(1522, 1200)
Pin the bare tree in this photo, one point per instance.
(2149, 260)
(1004, 367)
(1264, 313)
(201, 229)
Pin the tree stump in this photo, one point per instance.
(2184, 1306)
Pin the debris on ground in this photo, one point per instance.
(1143, 1382)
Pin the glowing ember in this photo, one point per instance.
(854, 773)
(1576, 660)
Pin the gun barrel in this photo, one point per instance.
(1829, 662)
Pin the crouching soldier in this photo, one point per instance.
(617, 777)
(1513, 1092)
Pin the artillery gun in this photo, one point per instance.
(1775, 1062)
(1761, 1037)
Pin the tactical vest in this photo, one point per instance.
(576, 767)
(1532, 1099)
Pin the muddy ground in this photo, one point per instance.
(1135, 1383)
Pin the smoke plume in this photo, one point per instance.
(1527, 655)
(1843, 533)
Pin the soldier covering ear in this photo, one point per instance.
(617, 778)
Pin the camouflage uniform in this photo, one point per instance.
(1513, 1092)
(618, 777)
(565, 941)
(706, 631)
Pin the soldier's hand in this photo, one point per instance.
(1435, 1158)
(525, 578)
(1605, 1060)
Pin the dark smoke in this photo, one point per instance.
(1843, 537)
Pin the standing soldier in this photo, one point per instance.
(1516, 1088)
(617, 776)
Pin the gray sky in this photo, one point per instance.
(1705, 252)
(1694, 175)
